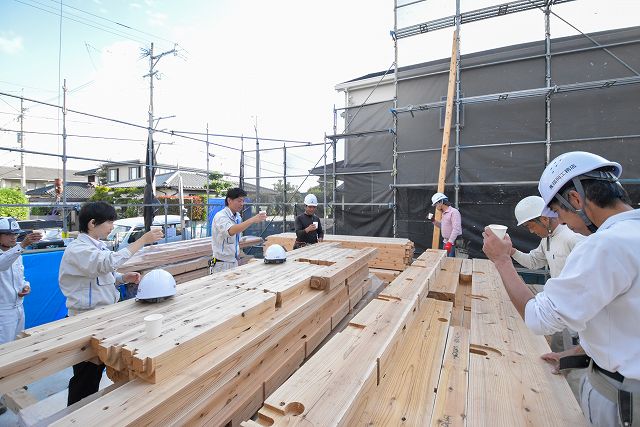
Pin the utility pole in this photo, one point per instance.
(241, 183)
(149, 189)
(23, 172)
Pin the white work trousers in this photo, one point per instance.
(600, 411)
(11, 323)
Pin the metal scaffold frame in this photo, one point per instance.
(547, 92)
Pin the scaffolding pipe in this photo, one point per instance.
(334, 184)
(394, 166)
(456, 179)
(284, 189)
(65, 227)
(280, 148)
(547, 81)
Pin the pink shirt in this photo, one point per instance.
(451, 224)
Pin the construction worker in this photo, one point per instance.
(13, 286)
(226, 227)
(88, 280)
(597, 293)
(450, 224)
(308, 226)
(556, 244)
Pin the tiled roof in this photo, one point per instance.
(76, 191)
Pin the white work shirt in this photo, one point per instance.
(597, 294)
(11, 277)
(225, 247)
(561, 243)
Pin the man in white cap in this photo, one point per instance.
(597, 293)
(557, 243)
(308, 226)
(450, 224)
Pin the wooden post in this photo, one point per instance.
(435, 244)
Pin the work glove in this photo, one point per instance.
(448, 246)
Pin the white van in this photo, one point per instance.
(128, 230)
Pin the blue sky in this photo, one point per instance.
(277, 60)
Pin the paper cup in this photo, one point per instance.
(430, 215)
(155, 227)
(263, 212)
(498, 230)
(315, 224)
(153, 325)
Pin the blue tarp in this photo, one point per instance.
(215, 206)
(45, 303)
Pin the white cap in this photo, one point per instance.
(567, 166)
(9, 225)
(275, 254)
(436, 198)
(157, 283)
(530, 208)
(311, 200)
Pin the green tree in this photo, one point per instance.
(217, 186)
(13, 196)
(293, 196)
(120, 196)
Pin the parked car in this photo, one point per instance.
(128, 230)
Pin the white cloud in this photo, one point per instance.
(135, 5)
(104, 11)
(11, 44)
(156, 19)
(97, 1)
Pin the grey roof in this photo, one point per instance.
(76, 191)
(190, 181)
(35, 173)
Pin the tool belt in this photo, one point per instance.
(213, 261)
(298, 244)
(621, 390)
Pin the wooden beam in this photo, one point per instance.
(444, 153)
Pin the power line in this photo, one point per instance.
(75, 136)
(66, 15)
(117, 23)
(242, 137)
(9, 105)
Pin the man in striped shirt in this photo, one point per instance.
(450, 224)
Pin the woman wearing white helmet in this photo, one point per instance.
(308, 226)
(597, 293)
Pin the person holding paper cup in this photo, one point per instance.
(450, 224)
(226, 229)
(88, 279)
(597, 293)
(308, 226)
(557, 243)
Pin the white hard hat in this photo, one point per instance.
(570, 165)
(9, 225)
(275, 254)
(438, 197)
(311, 200)
(155, 286)
(532, 207)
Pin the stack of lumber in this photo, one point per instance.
(185, 260)
(393, 253)
(402, 361)
(227, 341)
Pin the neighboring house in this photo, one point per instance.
(36, 176)
(127, 170)
(75, 192)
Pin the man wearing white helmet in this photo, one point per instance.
(13, 286)
(557, 243)
(308, 226)
(450, 224)
(226, 228)
(597, 293)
